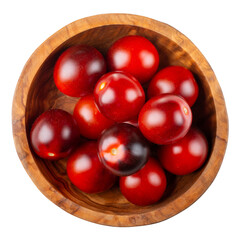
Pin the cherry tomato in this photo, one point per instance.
(123, 149)
(146, 186)
(119, 96)
(78, 69)
(165, 119)
(54, 134)
(186, 155)
(91, 121)
(86, 172)
(135, 55)
(175, 80)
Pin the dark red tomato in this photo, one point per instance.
(86, 172)
(78, 69)
(123, 149)
(54, 134)
(175, 80)
(119, 96)
(165, 119)
(135, 55)
(146, 186)
(186, 155)
(91, 121)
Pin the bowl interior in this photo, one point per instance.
(44, 95)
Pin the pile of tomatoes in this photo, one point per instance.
(129, 123)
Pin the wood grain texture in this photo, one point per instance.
(36, 93)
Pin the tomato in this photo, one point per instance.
(146, 186)
(165, 119)
(135, 55)
(86, 172)
(175, 80)
(91, 121)
(119, 96)
(186, 155)
(54, 134)
(78, 69)
(123, 149)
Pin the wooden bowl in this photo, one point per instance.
(36, 93)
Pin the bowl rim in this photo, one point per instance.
(113, 219)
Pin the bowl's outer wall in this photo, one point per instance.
(36, 92)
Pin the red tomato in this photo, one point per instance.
(175, 80)
(86, 172)
(54, 134)
(91, 121)
(186, 155)
(165, 119)
(146, 186)
(119, 96)
(123, 149)
(78, 69)
(135, 55)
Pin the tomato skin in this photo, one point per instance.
(135, 55)
(86, 172)
(165, 119)
(54, 134)
(175, 80)
(78, 69)
(119, 96)
(146, 186)
(133, 122)
(91, 121)
(186, 155)
(123, 149)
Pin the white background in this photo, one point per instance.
(213, 26)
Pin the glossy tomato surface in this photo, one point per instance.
(119, 96)
(165, 119)
(78, 69)
(54, 134)
(135, 55)
(146, 186)
(123, 149)
(86, 172)
(175, 80)
(133, 122)
(91, 121)
(186, 155)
